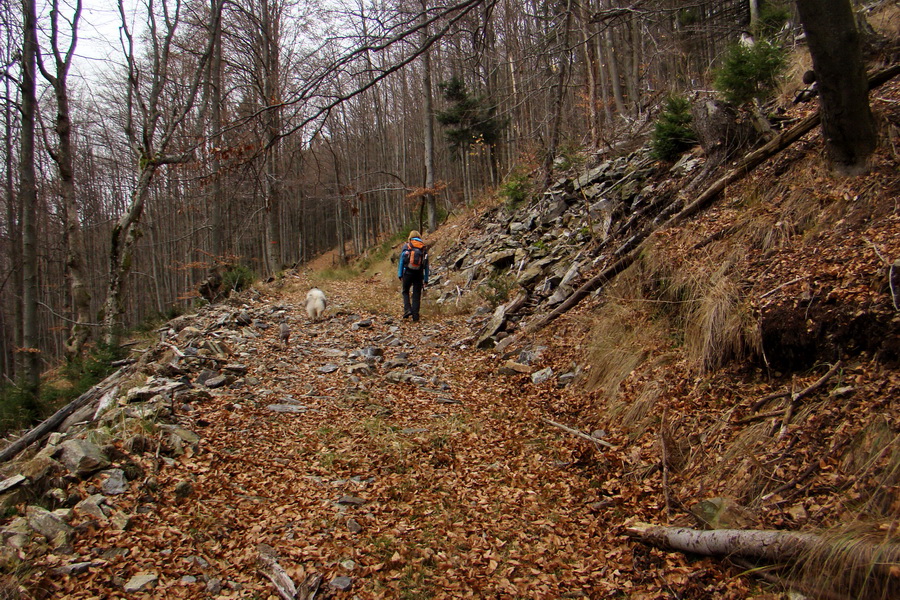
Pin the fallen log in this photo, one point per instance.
(639, 242)
(769, 545)
(50, 424)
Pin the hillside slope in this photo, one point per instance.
(742, 373)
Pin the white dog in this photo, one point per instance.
(315, 303)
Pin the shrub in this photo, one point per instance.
(515, 190)
(238, 278)
(496, 288)
(751, 72)
(672, 133)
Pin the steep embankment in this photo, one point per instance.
(742, 372)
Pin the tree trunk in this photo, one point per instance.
(217, 210)
(12, 361)
(835, 45)
(122, 239)
(556, 109)
(28, 193)
(65, 160)
(429, 128)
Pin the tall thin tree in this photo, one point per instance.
(63, 156)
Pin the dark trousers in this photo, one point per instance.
(412, 282)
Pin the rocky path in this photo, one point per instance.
(381, 457)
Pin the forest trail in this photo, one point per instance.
(387, 458)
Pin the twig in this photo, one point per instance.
(785, 284)
(774, 413)
(766, 399)
(578, 433)
(891, 266)
(795, 398)
(665, 464)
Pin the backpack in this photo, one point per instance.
(415, 254)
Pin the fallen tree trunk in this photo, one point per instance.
(49, 425)
(639, 242)
(769, 545)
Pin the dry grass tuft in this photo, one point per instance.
(617, 346)
(874, 457)
(854, 561)
(721, 327)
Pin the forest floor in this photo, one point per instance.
(396, 461)
(449, 486)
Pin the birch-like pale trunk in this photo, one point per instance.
(150, 139)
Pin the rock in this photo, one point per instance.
(359, 369)
(722, 513)
(11, 482)
(216, 382)
(329, 368)
(498, 320)
(214, 586)
(82, 457)
(364, 324)
(17, 533)
(184, 489)
(353, 526)
(286, 408)
(341, 583)
(146, 392)
(115, 483)
(74, 568)
(120, 522)
(351, 501)
(141, 582)
(541, 376)
(49, 524)
(93, 507)
(511, 367)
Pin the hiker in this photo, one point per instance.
(412, 270)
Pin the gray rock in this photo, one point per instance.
(341, 583)
(351, 501)
(541, 376)
(353, 526)
(141, 582)
(82, 457)
(498, 320)
(329, 368)
(49, 524)
(92, 506)
(287, 408)
(359, 369)
(217, 381)
(115, 483)
(11, 482)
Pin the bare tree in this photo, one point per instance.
(156, 108)
(63, 156)
(28, 194)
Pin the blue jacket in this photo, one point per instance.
(404, 255)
